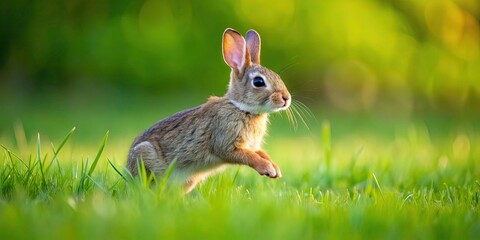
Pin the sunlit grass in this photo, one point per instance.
(410, 185)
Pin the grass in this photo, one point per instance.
(343, 178)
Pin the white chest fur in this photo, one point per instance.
(255, 131)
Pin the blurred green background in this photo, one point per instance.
(68, 63)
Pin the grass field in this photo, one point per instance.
(346, 176)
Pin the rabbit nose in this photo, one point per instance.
(286, 98)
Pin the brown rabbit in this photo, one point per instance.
(224, 130)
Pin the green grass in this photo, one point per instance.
(343, 178)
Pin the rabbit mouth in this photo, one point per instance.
(280, 102)
(278, 106)
(266, 107)
(284, 106)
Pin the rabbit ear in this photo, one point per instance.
(234, 50)
(253, 45)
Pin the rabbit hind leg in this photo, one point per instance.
(145, 152)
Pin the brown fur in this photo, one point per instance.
(205, 138)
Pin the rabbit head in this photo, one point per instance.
(252, 88)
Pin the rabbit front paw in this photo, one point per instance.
(277, 169)
(269, 169)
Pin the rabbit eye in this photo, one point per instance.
(258, 82)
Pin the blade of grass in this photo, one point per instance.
(167, 175)
(406, 199)
(55, 152)
(13, 154)
(128, 174)
(354, 160)
(29, 173)
(14, 166)
(31, 160)
(116, 170)
(142, 172)
(378, 185)
(152, 179)
(99, 186)
(99, 153)
(6, 175)
(19, 131)
(83, 178)
(235, 176)
(39, 158)
(9, 155)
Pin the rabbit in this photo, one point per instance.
(225, 130)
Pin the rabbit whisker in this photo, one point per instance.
(292, 119)
(297, 109)
(301, 106)
(289, 65)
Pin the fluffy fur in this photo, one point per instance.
(224, 130)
